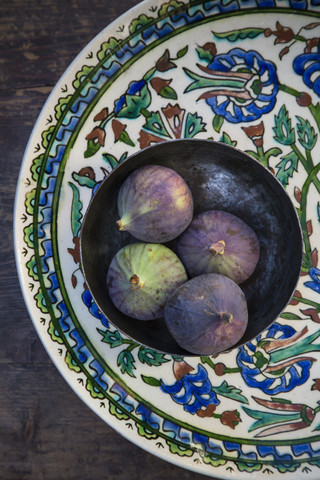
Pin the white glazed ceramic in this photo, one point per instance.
(244, 72)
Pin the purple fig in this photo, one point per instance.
(219, 242)
(140, 278)
(207, 315)
(154, 204)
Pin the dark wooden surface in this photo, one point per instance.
(46, 432)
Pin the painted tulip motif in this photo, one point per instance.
(239, 86)
(283, 417)
(277, 360)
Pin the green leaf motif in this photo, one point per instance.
(272, 152)
(180, 450)
(126, 363)
(286, 167)
(170, 8)
(76, 207)
(153, 382)
(287, 467)
(134, 103)
(205, 54)
(61, 106)
(181, 53)
(110, 159)
(284, 133)
(54, 334)
(108, 48)
(266, 419)
(40, 301)
(139, 24)
(290, 316)
(72, 364)
(94, 392)
(249, 467)
(168, 92)
(32, 268)
(151, 357)
(118, 412)
(125, 138)
(113, 339)
(47, 136)
(217, 123)
(225, 138)
(230, 391)
(194, 125)
(29, 201)
(83, 180)
(144, 431)
(155, 125)
(28, 235)
(315, 110)
(318, 211)
(92, 148)
(214, 461)
(306, 134)
(35, 167)
(241, 34)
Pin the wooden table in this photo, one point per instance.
(46, 432)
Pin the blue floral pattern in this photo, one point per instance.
(193, 391)
(308, 65)
(258, 370)
(246, 92)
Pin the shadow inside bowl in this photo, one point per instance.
(220, 177)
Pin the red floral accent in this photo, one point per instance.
(146, 139)
(304, 99)
(97, 134)
(316, 384)
(219, 369)
(158, 84)
(117, 128)
(206, 412)
(75, 252)
(174, 115)
(164, 63)
(87, 172)
(255, 133)
(180, 369)
(102, 115)
(298, 295)
(312, 313)
(230, 418)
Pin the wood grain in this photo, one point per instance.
(46, 431)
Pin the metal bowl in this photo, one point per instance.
(220, 177)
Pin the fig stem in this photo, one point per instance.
(120, 225)
(226, 317)
(135, 281)
(217, 248)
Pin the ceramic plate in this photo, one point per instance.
(246, 73)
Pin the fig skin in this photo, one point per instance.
(141, 277)
(207, 315)
(219, 242)
(154, 204)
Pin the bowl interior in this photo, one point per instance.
(219, 177)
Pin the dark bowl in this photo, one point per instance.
(220, 177)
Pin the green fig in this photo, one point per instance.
(140, 278)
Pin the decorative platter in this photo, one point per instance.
(242, 72)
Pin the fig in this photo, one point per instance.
(219, 242)
(207, 315)
(154, 204)
(140, 278)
